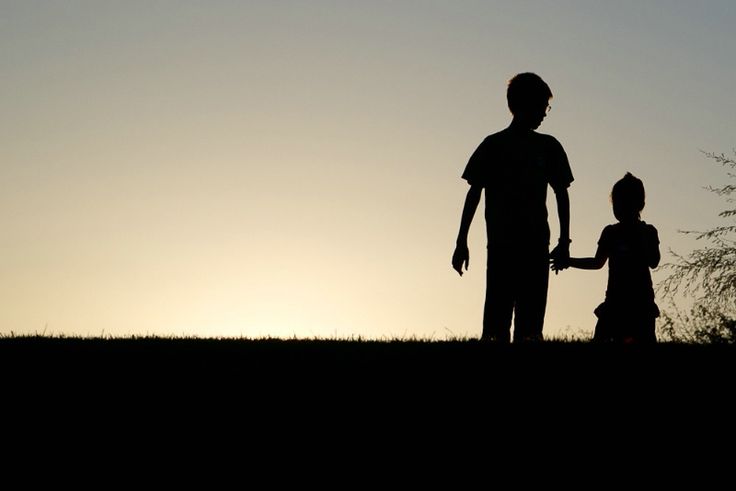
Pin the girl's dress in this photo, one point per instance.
(628, 314)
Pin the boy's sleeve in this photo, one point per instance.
(474, 172)
(560, 174)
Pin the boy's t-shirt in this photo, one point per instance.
(515, 167)
(628, 247)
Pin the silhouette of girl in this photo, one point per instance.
(632, 247)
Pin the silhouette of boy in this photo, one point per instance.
(631, 247)
(514, 167)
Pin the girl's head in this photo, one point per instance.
(627, 197)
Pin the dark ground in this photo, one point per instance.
(337, 370)
(385, 401)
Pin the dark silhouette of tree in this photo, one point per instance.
(707, 276)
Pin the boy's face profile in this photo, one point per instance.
(532, 115)
(528, 98)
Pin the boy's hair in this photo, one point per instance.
(527, 90)
(628, 196)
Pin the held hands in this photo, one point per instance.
(459, 257)
(559, 258)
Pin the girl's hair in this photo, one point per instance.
(627, 197)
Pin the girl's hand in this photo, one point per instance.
(558, 263)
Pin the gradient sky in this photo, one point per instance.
(292, 168)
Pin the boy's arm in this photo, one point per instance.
(562, 250)
(462, 255)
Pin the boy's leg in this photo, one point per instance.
(531, 302)
(499, 303)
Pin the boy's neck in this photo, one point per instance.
(518, 124)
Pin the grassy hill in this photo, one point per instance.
(399, 397)
(352, 365)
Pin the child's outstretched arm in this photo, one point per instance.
(461, 256)
(596, 262)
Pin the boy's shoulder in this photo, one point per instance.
(497, 136)
(507, 134)
(548, 139)
(507, 140)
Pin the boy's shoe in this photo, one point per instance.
(532, 338)
(492, 339)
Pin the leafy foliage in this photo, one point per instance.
(700, 325)
(706, 275)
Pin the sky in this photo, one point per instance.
(292, 169)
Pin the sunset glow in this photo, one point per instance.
(286, 168)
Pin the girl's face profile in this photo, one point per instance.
(624, 212)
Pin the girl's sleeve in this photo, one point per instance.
(653, 238)
(604, 242)
(651, 246)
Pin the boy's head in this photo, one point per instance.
(528, 97)
(627, 197)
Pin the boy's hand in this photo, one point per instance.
(459, 257)
(560, 257)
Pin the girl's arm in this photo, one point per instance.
(653, 255)
(596, 262)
